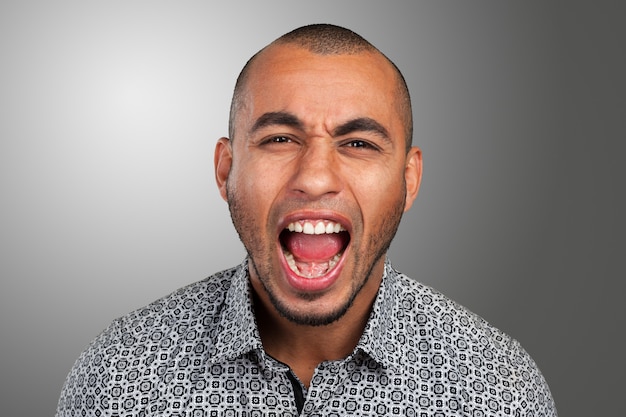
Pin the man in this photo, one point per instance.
(317, 172)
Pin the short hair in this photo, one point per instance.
(327, 39)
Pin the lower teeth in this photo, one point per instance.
(313, 269)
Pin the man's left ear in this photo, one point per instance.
(412, 175)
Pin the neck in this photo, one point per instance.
(303, 347)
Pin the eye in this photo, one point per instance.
(278, 143)
(357, 144)
(278, 139)
(360, 144)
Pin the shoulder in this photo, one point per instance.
(197, 305)
(488, 365)
(443, 317)
(144, 342)
(175, 312)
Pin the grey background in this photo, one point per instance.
(109, 112)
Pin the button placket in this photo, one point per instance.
(327, 379)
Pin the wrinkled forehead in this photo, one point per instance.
(284, 74)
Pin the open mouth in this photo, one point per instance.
(312, 248)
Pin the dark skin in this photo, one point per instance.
(306, 351)
(319, 138)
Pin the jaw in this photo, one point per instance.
(325, 297)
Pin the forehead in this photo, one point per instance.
(333, 87)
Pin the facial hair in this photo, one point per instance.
(260, 253)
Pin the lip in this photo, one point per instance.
(325, 282)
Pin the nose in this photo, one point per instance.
(317, 170)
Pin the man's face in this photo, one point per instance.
(317, 178)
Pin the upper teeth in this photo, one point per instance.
(315, 228)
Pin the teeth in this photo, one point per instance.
(315, 228)
(313, 270)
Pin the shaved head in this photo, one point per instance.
(325, 39)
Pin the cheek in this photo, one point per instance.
(256, 185)
(250, 177)
(379, 194)
(263, 186)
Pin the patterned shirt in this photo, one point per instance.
(197, 352)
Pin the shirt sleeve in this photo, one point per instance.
(531, 391)
(87, 390)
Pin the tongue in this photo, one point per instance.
(309, 248)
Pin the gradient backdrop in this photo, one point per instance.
(109, 112)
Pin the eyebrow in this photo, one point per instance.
(360, 124)
(279, 118)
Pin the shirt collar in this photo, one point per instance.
(382, 337)
(238, 334)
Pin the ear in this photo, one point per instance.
(223, 160)
(412, 175)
